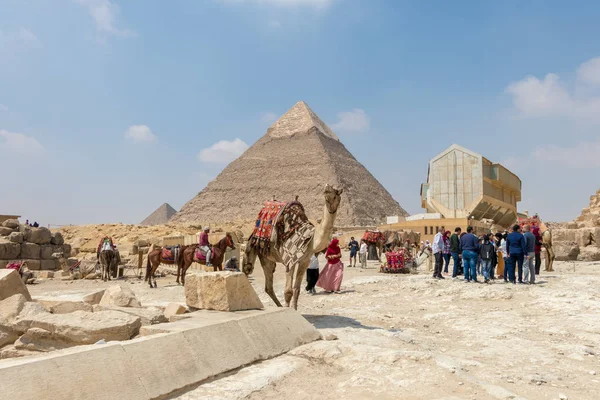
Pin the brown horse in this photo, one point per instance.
(188, 255)
(155, 259)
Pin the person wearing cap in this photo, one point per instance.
(205, 245)
(232, 264)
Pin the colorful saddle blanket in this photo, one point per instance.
(170, 254)
(397, 261)
(200, 256)
(372, 237)
(265, 222)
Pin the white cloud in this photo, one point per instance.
(139, 134)
(548, 97)
(223, 151)
(316, 4)
(19, 143)
(268, 117)
(582, 155)
(105, 14)
(355, 121)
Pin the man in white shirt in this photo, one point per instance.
(312, 274)
(362, 254)
(437, 250)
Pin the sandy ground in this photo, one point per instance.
(412, 337)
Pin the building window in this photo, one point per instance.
(431, 230)
(437, 229)
(426, 230)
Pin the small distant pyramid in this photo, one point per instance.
(161, 216)
(297, 156)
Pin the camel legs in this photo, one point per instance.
(549, 258)
(300, 271)
(289, 282)
(269, 269)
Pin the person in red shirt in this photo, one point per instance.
(205, 245)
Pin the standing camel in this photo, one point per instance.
(108, 261)
(188, 255)
(294, 276)
(550, 256)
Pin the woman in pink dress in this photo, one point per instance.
(330, 279)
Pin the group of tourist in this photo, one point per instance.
(518, 253)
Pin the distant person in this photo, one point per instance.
(36, 225)
(232, 264)
(538, 249)
(362, 254)
(353, 247)
(528, 267)
(455, 251)
(516, 250)
(486, 252)
(27, 222)
(312, 274)
(205, 245)
(330, 279)
(446, 252)
(469, 243)
(438, 253)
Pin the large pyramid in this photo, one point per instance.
(160, 216)
(298, 155)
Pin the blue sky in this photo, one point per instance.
(107, 108)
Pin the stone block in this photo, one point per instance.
(57, 238)
(11, 284)
(222, 291)
(33, 265)
(566, 251)
(5, 231)
(63, 306)
(589, 253)
(46, 251)
(46, 274)
(16, 237)
(9, 250)
(36, 339)
(31, 251)
(49, 265)
(119, 296)
(3, 264)
(94, 297)
(66, 250)
(174, 309)
(81, 327)
(10, 308)
(148, 316)
(11, 223)
(39, 235)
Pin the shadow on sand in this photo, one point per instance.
(335, 321)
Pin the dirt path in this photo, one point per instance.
(412, 337)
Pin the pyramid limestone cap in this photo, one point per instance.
(299, 119)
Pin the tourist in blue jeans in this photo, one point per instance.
(469, 244)
(516, 249)
(486, 253)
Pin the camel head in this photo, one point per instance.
(332, 198)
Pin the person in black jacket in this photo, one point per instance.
(455, 251)
(486, 252)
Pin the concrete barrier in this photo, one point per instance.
(172, 356)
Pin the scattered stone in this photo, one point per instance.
(460, 383)
(37, 339)
(509, 380)
(11, 224)
(11, 284)
(174, 309)
(81, 327)
(59, 306)
(94, 297)
(39, 235)
(30, 310)
(222, 291)
(16, 237)
(46, 274)
(5, 231)
(57, 238)
(148, 316)
(331, 336)
(119, 296)
(563, 396)
(592, 372)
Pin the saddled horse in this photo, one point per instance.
(189, 254)
(167, 255)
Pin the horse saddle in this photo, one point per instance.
(169, 253)
(200, 255)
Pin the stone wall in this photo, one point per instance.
(37, 246)
(578, 240)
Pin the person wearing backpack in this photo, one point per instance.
(486, 253)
